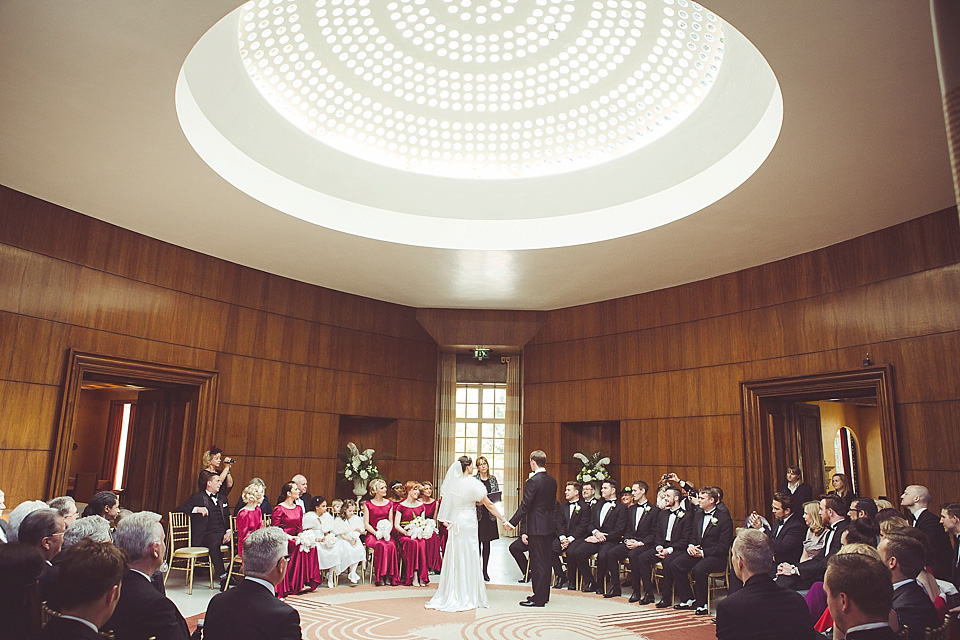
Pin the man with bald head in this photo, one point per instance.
(305, 498)
(916, 500)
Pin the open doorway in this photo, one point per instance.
(827, 423)
(134, 428)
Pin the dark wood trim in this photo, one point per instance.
(876, 380)
(80, 364)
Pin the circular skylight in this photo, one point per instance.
(482, 88)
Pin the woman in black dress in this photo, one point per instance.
(487, 527)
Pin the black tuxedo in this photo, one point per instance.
(802, 495)
(208, 530)
(60, 629)
(49, 590)
(537, 507)
(955, 564)
(715, 540)
(518, 548)
(307, 499)
(787, 540)
(941, 555)
(764, 610)
(573, 526)
(5, 526)
(813, 569)
(142, 612)
(915, 609)
(880, 633)
(678, 539)
(612, 524)
(641, 527)
(250, 612)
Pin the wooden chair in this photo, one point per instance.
(179, 534)
(236, 562)
(940, 633)
(720, 579)
(367, 567)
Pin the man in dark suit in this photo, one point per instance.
(89, 587)
(252, 610)
(142, 611)
(537, 506)
(859, 596)
(904, 556)
(916, 499)
(305, 498)
(518, 549)
(711, 536)
(608, 520)
(572, 518)
(762, 609)
(209, 521)
(671, 539)
(44, 529)
(803, 575)
(786, 532)
(638, 535)
(950, 519)
(801, 492)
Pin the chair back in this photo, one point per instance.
(940, 633)
(179, 534)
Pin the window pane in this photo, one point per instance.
(471, 446)
(486, 446)
(461, 394)
(473, 394)
(472, 411)
(487, 395)
(498, 463)
(487, 430)
(461, 410)
(461, 430)
(488, 411)
(472, 430)
(501, 411)
(460, 445)
(498, 431)
(498, 446)
(500, 396)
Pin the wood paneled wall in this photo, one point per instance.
(292, 357)
(667, 364)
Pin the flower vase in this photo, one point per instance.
(359, 487)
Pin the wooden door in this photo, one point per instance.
(806, 418)
(143, 476)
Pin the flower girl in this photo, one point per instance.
(348, 528)
(320, 523)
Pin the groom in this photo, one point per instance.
(537, 506)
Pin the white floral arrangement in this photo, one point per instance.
(359, 464)
(594, 467)
(383, 529)
(353, 535)
(307, 539)
(421, 528)
(329, 541)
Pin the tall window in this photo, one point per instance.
(481, 418)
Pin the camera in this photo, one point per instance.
(230, 461)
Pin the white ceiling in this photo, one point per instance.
(88, 121)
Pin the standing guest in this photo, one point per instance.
(608, 521)
(573, 518)
(305, 498)
(320, 521)
(20, 512)
(488, 529)
(671, 539)
(348, 527)
(252, 610)
(803, 575)
(762, 609)
(66, 507)
(430, 505)
(44, 529)
(377, 508)
(89, 586)
(904, 556)
(265, 508)
(639, 534)
(414, 550)
(859, 596)
(786, 533)
(303, 572)
(916, 500)
(20, 569)
(950, 519)
(250, 517)
(214, 462)
(396, 493)
(711, 536)
(841, 488)
(142, 611)
(209, 522)
(800, 491)
(104, 504)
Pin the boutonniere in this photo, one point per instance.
(679, 514)
(646, 508)
(714, 521)
(576, 510)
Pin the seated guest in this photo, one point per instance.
(638, 535)
(607, 523)
(916, 499)
(816, 532)
(396, 492)
(348, 528)
(21, 566)
(413, 549)
(762, 609)
(66, 507)
(862, 530)
(20, 512)
(4, 525)
(843, 490)
(710, 539)
(430, 508)
(104, 504)
(626, 497)
(380, 540)
(799, 490)
(264, 506)
(590, 492)
(882, 504)
(44, 529)
(859, 596)
(320, 521)
(93, 527)
(573, 517)
(950, 519)
(519, 550)
(863, 508)
(305, 498)
(670, 540)
(250, 517)
(890, 520)
(209, 522)
(904, 556)
(142, 611)
(787, 531)
(802, 575)
(89, 586)
(816, 598)
(303, 572)
(252, 610)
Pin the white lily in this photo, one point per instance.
(579, 456)
(353, 449)
(603, 461)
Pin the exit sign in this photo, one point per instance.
(481, 354)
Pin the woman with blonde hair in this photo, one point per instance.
(214, 462)
(265, 507)
(379, 536)
(413, 546)
(430, 506)
(250, 517)
(816, 538)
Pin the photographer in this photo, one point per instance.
(214, 462)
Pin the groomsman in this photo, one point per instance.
(638, 535)
(209, 521)
(707, 552)
(608, 520)
(573, 516)
(672, 537)
(950, 519)
(786, 532)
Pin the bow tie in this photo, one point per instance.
(611, 501)
(780, 523)
(212, 497)
(707, 514)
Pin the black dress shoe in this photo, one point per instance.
(531, 603)
(612, 594)
(522, 580)
(702, 611)
(572, 586)
(560, 583)
(635, 596)
(599, 591)
(684, 606)
(647, 599)
(663, 604)
(486, 578)
(588, 587)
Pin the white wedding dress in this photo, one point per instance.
(461, 585)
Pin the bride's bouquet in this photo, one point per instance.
(307, 539)
(383, 529)
(330, 541)
(421, 528)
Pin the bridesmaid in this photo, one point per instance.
(375, 509)
(430, 505)
(249, 518)
(414, 549)
(303, 570)
(396, 492)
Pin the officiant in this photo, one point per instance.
(487, 526)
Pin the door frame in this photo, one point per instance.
(81, 363)
(876, 379)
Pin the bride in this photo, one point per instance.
(461, 581)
